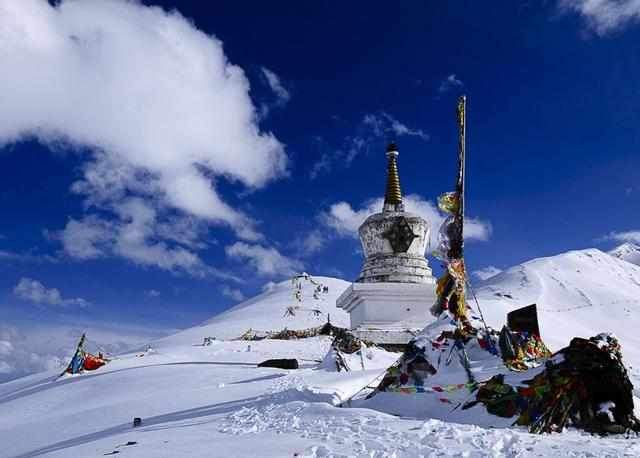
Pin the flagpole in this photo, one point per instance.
(462, 125)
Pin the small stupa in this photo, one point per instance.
(392, 296)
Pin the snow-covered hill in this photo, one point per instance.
(629, 252)
(214, 401)
(267, 312)
(578, 293)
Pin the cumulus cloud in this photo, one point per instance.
(86, 238)
(625, 236)
(32, 290)
(266, 261)
(232, 293)
(345, 221)
(486, 272)
(29, 347)
(17, 358)
(449, 83)
(151, 103)
(604, 16)
(138, 236)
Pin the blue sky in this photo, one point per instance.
(158, 169)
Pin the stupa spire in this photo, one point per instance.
(393, 193)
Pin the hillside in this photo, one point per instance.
(266, 312)
(578, 293)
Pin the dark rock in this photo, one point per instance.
(280, 363)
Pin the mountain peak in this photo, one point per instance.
(628, 251)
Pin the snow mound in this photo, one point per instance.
(629, 252)
(267, 312)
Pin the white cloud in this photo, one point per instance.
(86, 239)
(625, 236)
(276, 86)
(17, 358)
(151, 103)
(383, 123)
(266, 261)
(323, 165)
(27, 347)
(311, 243)
(232, 293)
(152, 293)
(604, 16)
(486, 272)
(10, 256)
(345, 221)
(449, 83)
(134, 235)
(373, 129)
(32, 290)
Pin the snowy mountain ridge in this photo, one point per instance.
(629, 252)
(578, 293)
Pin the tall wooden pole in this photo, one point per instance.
(458, 243)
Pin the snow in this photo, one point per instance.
(212, 401)
(266, 312)
(629, 252)
(578, 293)
(203, 401)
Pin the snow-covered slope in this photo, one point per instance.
(629, 252)
(214, 401)
(266, 312)
(579, 293)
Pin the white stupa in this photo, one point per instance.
(391, 298)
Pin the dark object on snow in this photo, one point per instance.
(129, 443)
(413, 368)
(137, 421)
(326, 329)
(507, 349)
(521, 351)
(584, 385)
(524, 320)
(499, 398)
(280, 363)
(346, 342)
(589, 389)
